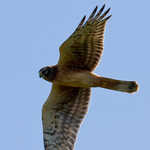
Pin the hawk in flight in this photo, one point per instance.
(72, 80)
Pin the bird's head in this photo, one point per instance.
(48, 73)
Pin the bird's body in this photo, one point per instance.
(72, 80)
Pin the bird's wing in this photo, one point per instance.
(62, 115)
(83, 49)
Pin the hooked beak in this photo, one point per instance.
(40, 75)
(40, 72)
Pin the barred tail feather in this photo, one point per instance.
(118, 85)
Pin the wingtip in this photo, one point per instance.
(107, 11)
(81, 22)
(103, 6)
(108, 17)
(102, 17)
(96, 7)
(84, 16)
(93, 13)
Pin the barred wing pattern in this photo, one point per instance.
(83, 49)
(62, 115)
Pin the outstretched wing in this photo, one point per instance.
(83, 49)
(62, 115)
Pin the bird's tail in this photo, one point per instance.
(118, 85)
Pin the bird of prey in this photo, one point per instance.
(72, 79)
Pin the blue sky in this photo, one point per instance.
(31, 32)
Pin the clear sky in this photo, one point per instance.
(31, 32)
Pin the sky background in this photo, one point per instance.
(31, 32)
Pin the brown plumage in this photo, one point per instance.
(72, 79)
(84, 48)
(62, 116)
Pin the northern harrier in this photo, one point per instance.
(72, 80)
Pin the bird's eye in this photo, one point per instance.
(46, 72)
